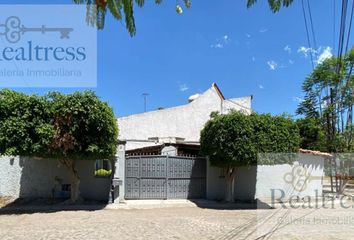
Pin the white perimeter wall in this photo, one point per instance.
(33, 178)
(257, 182)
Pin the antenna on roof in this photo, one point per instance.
(145, 98)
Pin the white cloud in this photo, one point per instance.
(272, 65)
(325, 54)
(291, 61)
(287, 49)
(217, 45)
(261, 86)
(221, 42)
(263, 30)
(298, 99)
(306, 51)
(322, 53)
(183, 87)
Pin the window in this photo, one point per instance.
(103, 168)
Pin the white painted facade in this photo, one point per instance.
(259, 182)
(23, 177)
(183, 122)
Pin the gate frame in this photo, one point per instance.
(166, 178)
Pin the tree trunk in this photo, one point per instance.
(336, 174)
(230, 187)
(331, 174)
(75, 180)
(349, 126)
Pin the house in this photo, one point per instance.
(160, 159)
(179, 126)
(162, 150)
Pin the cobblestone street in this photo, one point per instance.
(179, 223)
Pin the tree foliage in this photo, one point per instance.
(75, 126)
(274, 5)
(63, 127)
(124, 9)
(329, 98)
(97, 11)
(312, 135)
(25, 126)
(235, 139)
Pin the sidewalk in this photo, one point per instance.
(177, 203)
(150, 204)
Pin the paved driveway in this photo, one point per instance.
(183, 222)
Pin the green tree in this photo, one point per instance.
(235, 139)
(312, 135)
(274, 5)
(58, 126)
(329, 98)
(97, 10)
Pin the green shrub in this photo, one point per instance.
(103, 173)
(236, 139)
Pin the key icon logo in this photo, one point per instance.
(13, 29)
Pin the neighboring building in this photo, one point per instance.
(177, 125)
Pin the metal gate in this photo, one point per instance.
(165, 177)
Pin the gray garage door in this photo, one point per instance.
(162, 177)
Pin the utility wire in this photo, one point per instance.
(307, 33)
(333, 117)
(311, 24)
(350, 26)
(334, 25)
(342, 30)
(241, 106)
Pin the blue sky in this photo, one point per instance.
(245, 51)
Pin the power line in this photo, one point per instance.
(311, 23)
(342, 30)
(332, 119)
(350, 26)
(307, 33)
(238, 104)
(334, 25)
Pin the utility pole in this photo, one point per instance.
(145, 95)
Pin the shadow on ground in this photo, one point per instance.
(237, 205)
(30, 206)
(26, 206)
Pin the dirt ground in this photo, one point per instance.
(183, 222)
(4, 201)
